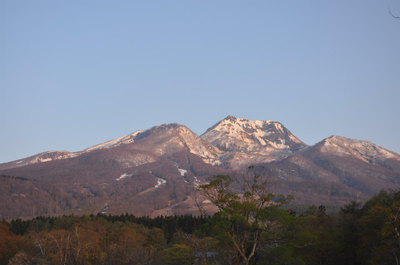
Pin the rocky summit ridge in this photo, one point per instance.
(240, 134)
(246, 142)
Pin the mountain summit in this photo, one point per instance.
(363, 150)
(252, 141)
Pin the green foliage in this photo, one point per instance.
(379, 226)
(178, 254)
(279, 255)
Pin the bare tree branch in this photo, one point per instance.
(391, 13)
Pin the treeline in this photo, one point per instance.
(168, 224)
(358, 234)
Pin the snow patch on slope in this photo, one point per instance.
(127, 139)
(45, 157)
(208, 153)
(160, 182)
(182, 171)
(125, 175)
(196, 181)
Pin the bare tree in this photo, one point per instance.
(247, 215)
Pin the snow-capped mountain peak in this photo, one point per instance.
(247, 142)
(250, 135)
(363, 150)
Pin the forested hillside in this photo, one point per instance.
(358, 234)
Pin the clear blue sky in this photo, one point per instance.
(77, 73)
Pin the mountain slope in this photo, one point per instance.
(149, 144)
(353, 169)
(148, 172)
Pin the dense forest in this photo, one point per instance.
(254, 228)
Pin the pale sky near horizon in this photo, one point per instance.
(77, 73)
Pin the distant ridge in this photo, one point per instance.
(157, 171)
